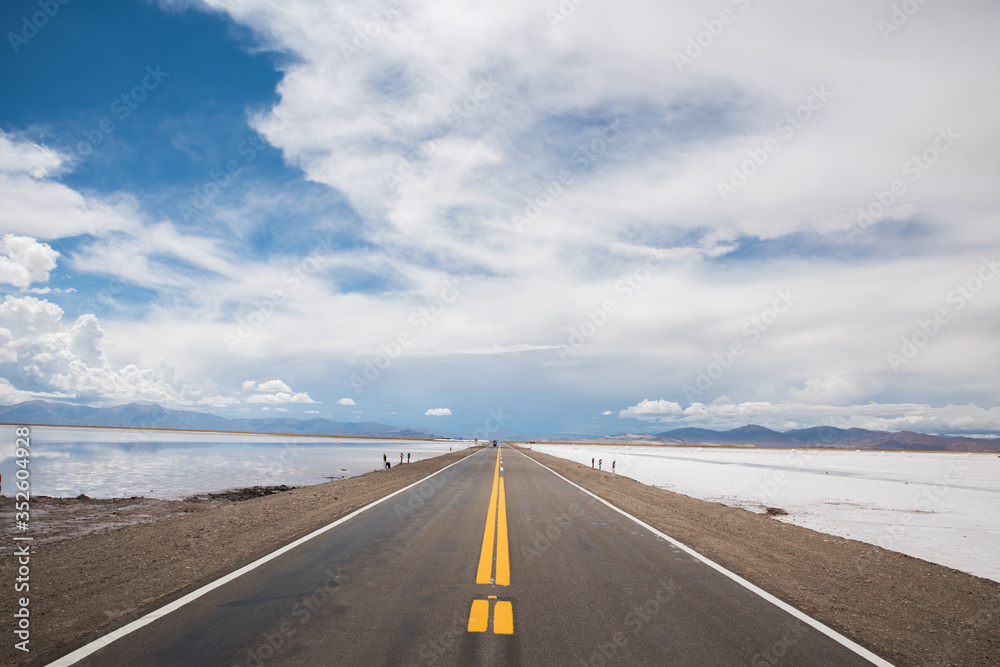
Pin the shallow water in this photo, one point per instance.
(108, 463)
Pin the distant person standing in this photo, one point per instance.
(591, 463)
(407, 457)
(613, 468)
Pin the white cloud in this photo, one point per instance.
(274, 392)
(723, 414)
(607, 412)
(346, 401)
(648, 409)
(280, 398)
(34, 204)
(46, 357)
(272, 385)
(438, 412)
(23, 260)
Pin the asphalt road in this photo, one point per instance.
(397, 585)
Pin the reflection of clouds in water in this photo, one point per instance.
(186, 464)
(8, 447)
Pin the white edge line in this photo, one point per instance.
(784, 606)
(103, 641)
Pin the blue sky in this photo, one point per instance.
(623, 218)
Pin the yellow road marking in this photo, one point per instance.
(496, 528)
(503, 552)
(503, 618)
(479, 616)
(486, 554)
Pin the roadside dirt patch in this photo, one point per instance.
(238, 495)
(104, 563)
(906, 610)
(55, 520)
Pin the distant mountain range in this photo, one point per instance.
(829, 436)
(136, 415)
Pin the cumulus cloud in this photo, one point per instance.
(438, 412)
(270, 385)
(43, 356)
(346, 401)
(274, 392)
(646, 408)
(23, 260)
(280, 398)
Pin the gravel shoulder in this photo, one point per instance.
(906, 610)
(100, 564)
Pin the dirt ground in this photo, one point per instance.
(98, 564)
(906, 610)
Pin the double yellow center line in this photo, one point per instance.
(495, 532)
(496, 525)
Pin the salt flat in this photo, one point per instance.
(938, 506)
